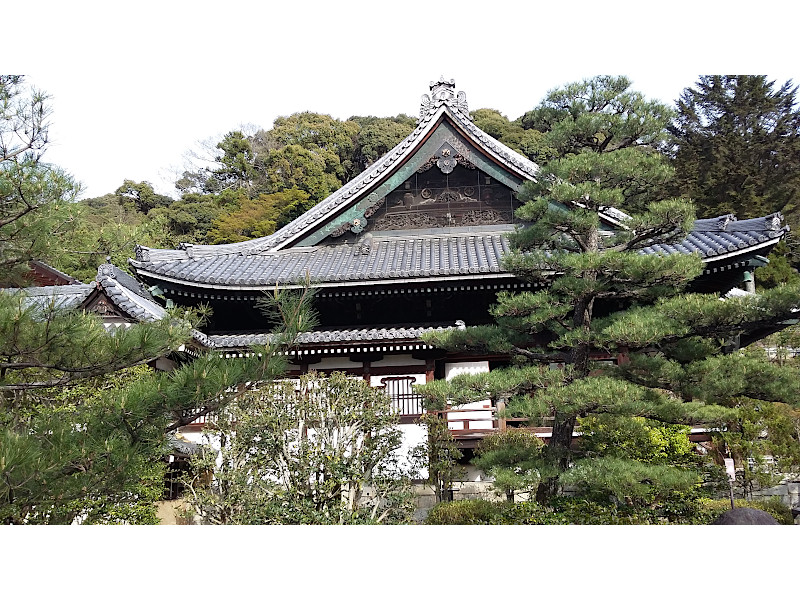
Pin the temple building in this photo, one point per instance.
(413, 243)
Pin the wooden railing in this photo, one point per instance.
(405, 401)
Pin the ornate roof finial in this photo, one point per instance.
(443, 92)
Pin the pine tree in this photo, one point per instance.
(736, 148)
(36, 198)
(79, 440)
(602, 296)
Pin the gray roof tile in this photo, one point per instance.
(389, 258)
(393, 334)
(358, 186)
(394, 257)
(60, 296)
(720, 236)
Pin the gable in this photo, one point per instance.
(444, 126)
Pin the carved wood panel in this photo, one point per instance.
(446, 197)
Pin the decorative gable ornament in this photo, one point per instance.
(443, 92)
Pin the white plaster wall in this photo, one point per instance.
(334, 362)
(413, 435)
(481, 419)
(465, 368)
(397, 360)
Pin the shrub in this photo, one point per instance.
(463, 512)
(567, 510)
(709, 510)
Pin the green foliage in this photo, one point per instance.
(737, 145)
(779, 270)
(63, 461)
(575, 511)
(603, 296)
(762, 430)
(736, 148)
(439, 455)
(376, 136)
(636, 439)
(190, 218)
(43, 345)
(530, 142)
(306, 453)
(36, 198)
(513, 459)
(627, 480)
(465, 512)
(259, 217)
(565, 511)
(140, 196)
(75, 448)
(256, 186)
(708, 510)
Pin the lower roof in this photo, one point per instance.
(356, 336)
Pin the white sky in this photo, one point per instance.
(134, 88)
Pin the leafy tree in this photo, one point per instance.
(306, 452)
(305, 152)
(108, 226)
(329, 139)
(259, 217)
(297, 167)
(737, 147)
(763, 441)
(609, 297)
(62, 461)
(778, 271)
(190, 218)
(36, 199)
(67, 455)
(518, 135)
(376, 136)
(43, 345)
(513, 459)
(141, 196)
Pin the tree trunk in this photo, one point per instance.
(558, 448)
(558, 451)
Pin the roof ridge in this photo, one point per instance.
(443, 101)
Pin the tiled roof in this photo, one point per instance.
(60, 296)
(392, 334)
(391, 257)
(444, 102)
(378, 258)
(44, 268)
(128, 294)
(725, 235)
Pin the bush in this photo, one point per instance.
(565, 512)
(569, 510)
(464, 512)
(709, 510)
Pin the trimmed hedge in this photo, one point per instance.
(576, 511)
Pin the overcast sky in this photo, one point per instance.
(134, 88)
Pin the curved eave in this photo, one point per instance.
(324, 284)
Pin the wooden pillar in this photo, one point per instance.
(430, 366)
(365, 370)
(623, 357)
